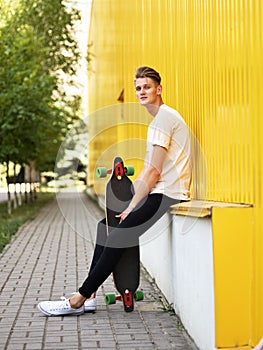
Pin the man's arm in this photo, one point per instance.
(147, 179)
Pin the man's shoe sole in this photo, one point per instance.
(81, 312)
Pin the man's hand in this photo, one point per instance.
(123, 215)
(146, 180)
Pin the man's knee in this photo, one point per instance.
(101, 233)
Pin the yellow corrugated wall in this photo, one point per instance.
(209, 53)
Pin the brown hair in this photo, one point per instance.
(147, 72)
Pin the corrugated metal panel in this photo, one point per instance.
(202, 49)
(209, 53)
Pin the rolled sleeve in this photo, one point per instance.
(158, 137)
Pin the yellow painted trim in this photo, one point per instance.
(202, 208)
(232, 245)
(237, 348)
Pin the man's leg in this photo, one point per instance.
(101, 239)
(137, 222)
(124, 236)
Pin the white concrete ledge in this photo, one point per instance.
(178, 253)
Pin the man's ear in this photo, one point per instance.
(159, 89)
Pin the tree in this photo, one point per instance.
(36, 46)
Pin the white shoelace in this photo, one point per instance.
(61, 306)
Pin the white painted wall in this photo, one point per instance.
(178, 253)
(157, 255)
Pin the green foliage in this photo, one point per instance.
(36, 46)
(10, 224)
(54, 22)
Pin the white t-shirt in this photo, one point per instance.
(169, 130)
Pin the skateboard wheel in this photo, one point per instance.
(110, 299)
(129, 170)
(139, 295)
(101, 172)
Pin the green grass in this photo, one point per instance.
(9, 224)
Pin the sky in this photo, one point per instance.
(82, 30)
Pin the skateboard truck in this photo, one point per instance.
(127, 298)
(128, 301)
(119, 171)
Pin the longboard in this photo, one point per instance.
(126, 275)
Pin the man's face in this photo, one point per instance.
(147, 91)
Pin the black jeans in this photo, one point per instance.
(109, 248)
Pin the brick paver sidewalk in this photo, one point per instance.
(48, 258)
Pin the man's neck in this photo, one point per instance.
(154, 108)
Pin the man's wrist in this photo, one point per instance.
(131, 207)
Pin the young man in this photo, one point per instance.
(164, 180)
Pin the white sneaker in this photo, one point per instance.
(89, 305)
(59, 308)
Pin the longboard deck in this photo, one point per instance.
(119, 192)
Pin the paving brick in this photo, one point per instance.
(49, 257)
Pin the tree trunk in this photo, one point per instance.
(15, 193)
(30, 184)
(26, 194)
(20, 194)
(9, 201)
